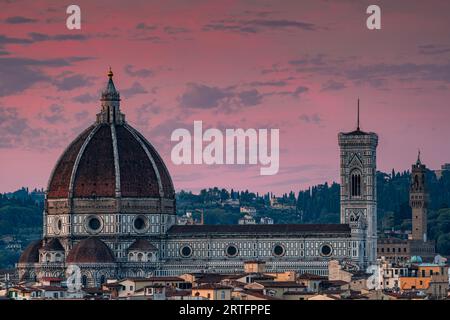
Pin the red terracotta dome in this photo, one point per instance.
(110, 159)
(31, 252)
(142, 245)
(90, 250)
(53, 245)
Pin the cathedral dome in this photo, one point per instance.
(90, 250)
(31, 252)
(142, 245)
(110, 159)
(53, 245)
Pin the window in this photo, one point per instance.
(326, 250)
(84, 280)
(278, 250)
(93, 224)
(355, 183)
(231, 250)
(186, 251)
(140, 223)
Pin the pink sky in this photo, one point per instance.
(294, 65)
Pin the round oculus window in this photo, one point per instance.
(326, 250)
(232, 250)
(57, 225)
(278, 250)
(140, 223)
(186, 251)
(94, 224)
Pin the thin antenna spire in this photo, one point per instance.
(418, 157)
(357, 123)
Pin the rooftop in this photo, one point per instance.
(260, 228)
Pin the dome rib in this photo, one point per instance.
(144, 147)
(116, 159)
(168, 187)
(95, 174)
(78, 158)
(58, 188)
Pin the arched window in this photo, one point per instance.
(140, 257)
(84, 281)
(416, 182)
(355, 183)
(102, 279)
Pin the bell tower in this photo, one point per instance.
(418, 200)
(359, 191)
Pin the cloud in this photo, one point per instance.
(145, 112)
(81, 115)
(203, 97)
(141, 73)
(257, 25)
(19, 20)
(55, 114)
(135, 89)
(24, 72)
(333, 85)
(313, 118)
(37, 37)
(433, 49)
(175, 30)
(250, 97)
(17, 133)
(199, 96)
(5, 40)
(275, 24)
(296, 93)
(86, 98)
(270, 83)
(152, 39)
(144, 26)
(378, 74)
(75, 81)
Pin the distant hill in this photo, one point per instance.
(20, 223)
